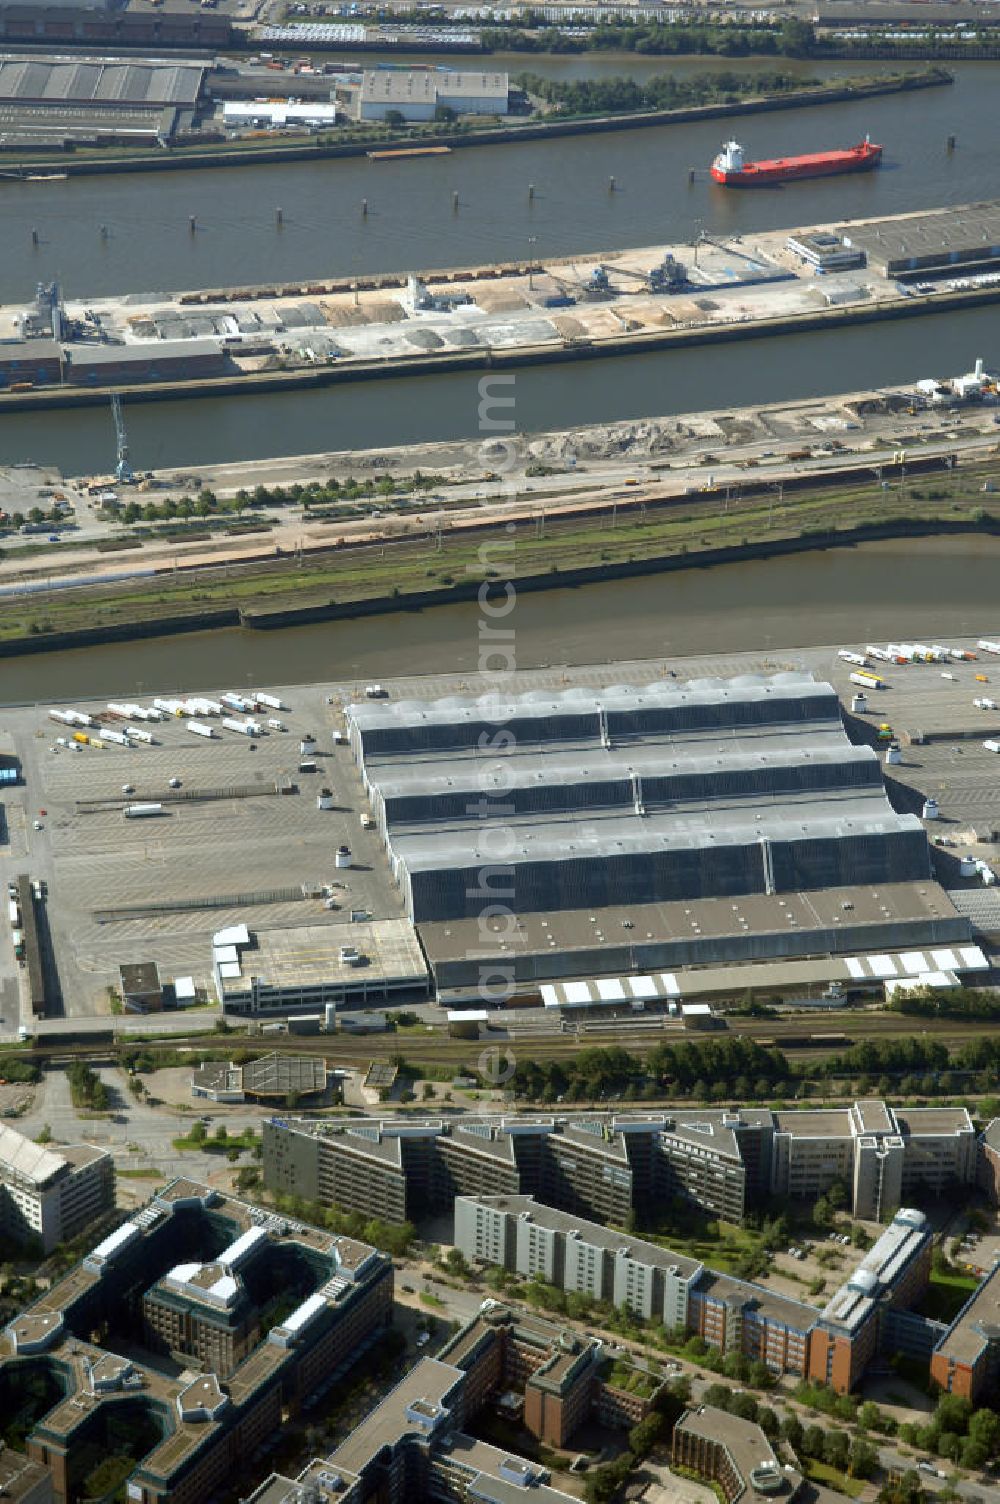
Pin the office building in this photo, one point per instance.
(731, 1315)
(988, 1161)
(49, 1193)
(736, 1316)
(734, 1454)
(894, 1272)
(967, 1359)
(202, 1276)
(609, 1166)
(412, 1446)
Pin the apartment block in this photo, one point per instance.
(967, 1359)
(52, 1194)
(577, 1255)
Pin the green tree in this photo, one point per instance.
(813, 1438)
(984, 1430)
(791, 1431)
(836, 1449)
(863, 1459)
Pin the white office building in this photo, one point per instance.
(52, 1194)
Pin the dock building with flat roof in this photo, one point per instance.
(717, 834)
(949, 240)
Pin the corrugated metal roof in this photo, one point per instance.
(30, 1161)
(71, 82)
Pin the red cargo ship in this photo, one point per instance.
(730, 169)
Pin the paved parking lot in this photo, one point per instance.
(96, 861)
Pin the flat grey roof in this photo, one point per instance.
(926, 237)
(601, 834)
(309, 955)
(844, 909)
(915, 1121)
(698, 753)
(816, 1122)
(792, 1313)
(147, 353)
(873, 1116)
(977, 1323)
(429, 1383)
(590, 1232)
(428, 85)
(580, 700)
(746, 1444)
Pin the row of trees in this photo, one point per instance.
(597, 96)
(964, 1002)
(793, 38)
(956, 1432)
(393, 1238)
(733, 1067)
(86, 1088)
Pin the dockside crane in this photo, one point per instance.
(124, 473)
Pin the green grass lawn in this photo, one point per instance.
(822, 1472)
(947, 1293)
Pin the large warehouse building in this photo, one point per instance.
(693, 823)
(56, 100)
(943, 240)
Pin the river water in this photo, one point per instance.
(923, 590)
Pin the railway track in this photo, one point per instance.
(441, 1050)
